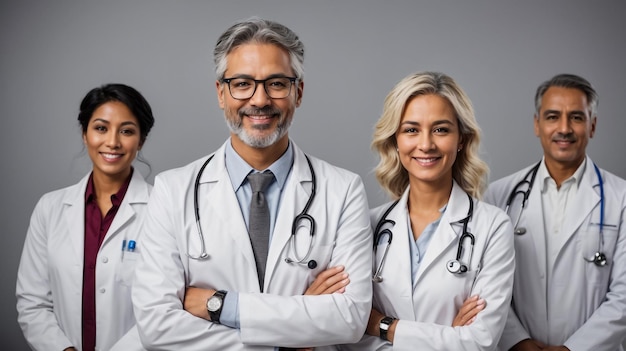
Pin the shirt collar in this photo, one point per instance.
(116, 199)
(238, 168)
(543, 174)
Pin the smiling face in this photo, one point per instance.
(112, 140)
(259, 121)
(428, 140)
(564, 125)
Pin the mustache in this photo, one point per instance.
(267, 110)
(564, 137)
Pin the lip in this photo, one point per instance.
(563, 143)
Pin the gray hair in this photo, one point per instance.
(257, 30)
(568, 81)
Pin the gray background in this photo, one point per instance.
(52, 53)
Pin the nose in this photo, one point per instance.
(113, 139)
(425, 142)
(565, 126)
(260, 97)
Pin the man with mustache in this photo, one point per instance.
(228, 267)
(570, 236)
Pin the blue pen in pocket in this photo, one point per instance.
(131, 245)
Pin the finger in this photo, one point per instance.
(340, 285)
(468, 305)
(471, 316)
(331, 284)
(325, 279)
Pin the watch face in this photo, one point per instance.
(214, 303)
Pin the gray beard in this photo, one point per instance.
(258, 142)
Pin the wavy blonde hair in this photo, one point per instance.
(469, 171)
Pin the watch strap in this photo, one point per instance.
(384, 326)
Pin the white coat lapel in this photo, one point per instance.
(448, 232)
(74, 215)
(532, 220)
(137, 193)
(586, 199)
(397, 269)
(296, 192)
(218, 205)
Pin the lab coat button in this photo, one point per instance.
(102, 290)
(105, 259)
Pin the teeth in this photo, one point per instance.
(425, 160)
(112, 156)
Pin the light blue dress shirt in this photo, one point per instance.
(238, 170)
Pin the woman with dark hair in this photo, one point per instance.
(74, 278)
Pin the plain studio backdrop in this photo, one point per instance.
(53, 52)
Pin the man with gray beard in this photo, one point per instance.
(229, 266)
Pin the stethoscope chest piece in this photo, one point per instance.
(599, 259)
(520, 231)
(455, 266)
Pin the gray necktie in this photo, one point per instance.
(259, 226)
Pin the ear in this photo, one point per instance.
(536, 124)
(592, 131)
(220, 93)
(299, 91)
(85, 138)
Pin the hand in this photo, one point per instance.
(373, 324)
(469, 310)
(528, 345)
(195, 301)
(555, 348)
(332, 280)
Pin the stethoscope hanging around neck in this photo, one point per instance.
(599, 257)
(303, 216)
(455, 266)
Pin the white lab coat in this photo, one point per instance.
(426, 313)
(583, 306)
(281, 316)
(50, 275)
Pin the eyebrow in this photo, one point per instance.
(435, 123)
(547, 112)
(107, 122)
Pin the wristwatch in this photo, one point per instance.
(385, 323)
(214, 305)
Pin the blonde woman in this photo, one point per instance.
(436, 245)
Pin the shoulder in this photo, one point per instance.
(189, 170)
(330, 171)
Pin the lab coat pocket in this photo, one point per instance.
(126, 269)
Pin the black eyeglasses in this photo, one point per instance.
(244, 88)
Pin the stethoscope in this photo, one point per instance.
(297, 222)
(599, 258)
(453, 266)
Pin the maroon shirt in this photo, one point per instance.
(96, 228)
